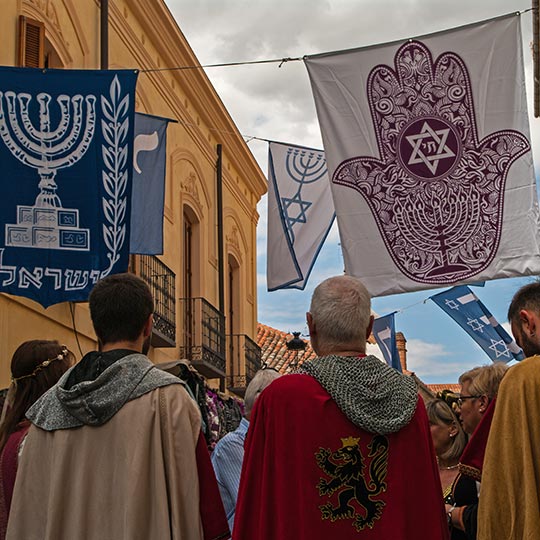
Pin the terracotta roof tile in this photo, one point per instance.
(273, 344)
(456, 388)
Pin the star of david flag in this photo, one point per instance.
(428, 149)
(149, 159)
(384, 332)
(66, 141)
(300, 213)
(471, 314)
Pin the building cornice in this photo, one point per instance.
(158, 23)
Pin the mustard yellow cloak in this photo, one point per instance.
(510, 492)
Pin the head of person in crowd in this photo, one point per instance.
(478, 387)
(524, 318)
(121, 307)
(260, 381)
(339, 318)
(448, 436)
(36, 366)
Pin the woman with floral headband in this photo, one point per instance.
(35, 367)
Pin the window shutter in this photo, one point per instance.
(31, 43)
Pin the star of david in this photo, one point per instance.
(500, 348)
(452, 304)
(290, 206)
(475, 324)
(434, 144)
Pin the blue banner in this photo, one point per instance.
(384, 332)
(66, 153)
(149, 159)
(469, 312)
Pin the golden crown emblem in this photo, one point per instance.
(349, 441)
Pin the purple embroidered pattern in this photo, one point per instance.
(437, 192)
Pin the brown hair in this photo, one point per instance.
(528, 297)
(120, 306)
(36, 365)
(439, 412)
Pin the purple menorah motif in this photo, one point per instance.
(437, 190)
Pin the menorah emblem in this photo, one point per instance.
(47, 149)
(439, 225)
(304, 167)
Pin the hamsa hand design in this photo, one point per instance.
(437, 191)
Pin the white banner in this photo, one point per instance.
(300, 213)
(427, 142)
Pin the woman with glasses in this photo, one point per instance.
(479, 388)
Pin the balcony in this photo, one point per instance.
(246, 360)
(161, 280)
(204, 337)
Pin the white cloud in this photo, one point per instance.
(433, 362)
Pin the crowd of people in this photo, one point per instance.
(111, 447)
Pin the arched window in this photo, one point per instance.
(35, 50)
(190, 273)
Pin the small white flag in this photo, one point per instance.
(300, 213)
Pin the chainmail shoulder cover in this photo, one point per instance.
(373, 396)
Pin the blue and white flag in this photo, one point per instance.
(429, 156)
(149, 159)
(469, 312)
(300, 213)
(384, 332)
(66, 141)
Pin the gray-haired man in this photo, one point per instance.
(228, 454)
(339, 450)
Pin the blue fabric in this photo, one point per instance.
(66, 153)
(149, 160)
(384, 331)
(227, 459)
(467, 310)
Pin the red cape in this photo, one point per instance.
(470, 463)
(304, 460)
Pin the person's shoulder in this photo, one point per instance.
(174, 391)
(526, 370)
(292, 382)
(289, 388)
(226, 442)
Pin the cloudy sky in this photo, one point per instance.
(276, 103)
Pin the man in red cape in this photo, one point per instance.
(343, 449)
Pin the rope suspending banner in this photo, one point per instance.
(279, 61)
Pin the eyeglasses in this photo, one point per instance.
(460, 399)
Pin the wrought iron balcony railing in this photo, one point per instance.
(161, 280)
(245, 360)
(204, 337)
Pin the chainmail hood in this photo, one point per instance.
(372, 395)
(96, 401)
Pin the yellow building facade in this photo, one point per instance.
(206, 305)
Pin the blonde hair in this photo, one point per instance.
(439, 412)
(485, 380)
